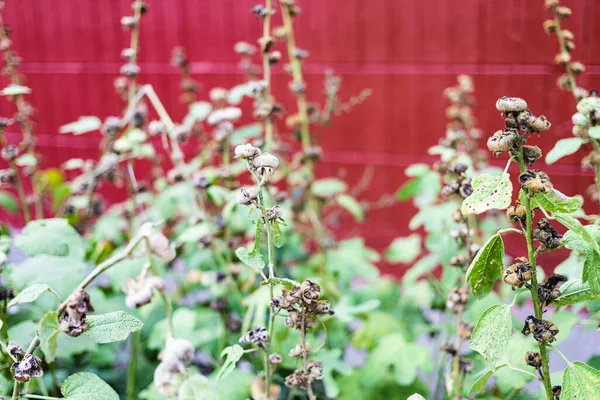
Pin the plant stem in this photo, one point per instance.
(18, 182)
(131, 366)
(267, 77)
(163, 294)
(456, 372)
(311, 395)
(134, 45)
(35, 396)
(15, 393)
(534, 284)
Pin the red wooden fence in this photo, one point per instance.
(406, 51)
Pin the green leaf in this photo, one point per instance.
(194, 233)
(591, 271)
(233, 354)
(404, 249)
(200, 110)
(581, 382)
(29, 294)
(332, 363)
(201, 327)
(60, 273)
(245, 133)
(87, 386)
(254, 260)
(480, 382)
(562, 148)
(594, 132)
(395, 354)
(575, 226)
(26, 160)
(487, 267)
(15, 90)
(409, 189)
(197, 387)
(285, 282)
(573, 292)
(112, 327)
(346, 312)
(489, 192)
(237, 93)
(50, 236)
(351, 205)
(8, 201)
(111, 228)
(328, 187)
(555, 201)
(83, 125)
(492, 334)
(49, 331)
(277, 235)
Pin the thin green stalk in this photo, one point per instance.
(131, 367)
(163, 294)
(309, 390)
(15, 393)
(457, 375)
(35, 396)
(534, 283)
(267, 77)
(18, 181)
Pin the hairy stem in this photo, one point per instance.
(163, 294)
(534, 283)
(311, 395)
(131, 367)
(18, 182)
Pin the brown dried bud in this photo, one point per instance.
(562, 58)
(579, 131)
(299, 350)
(274, 213)
(9, 152)
(7, 176)
(297, 87)
(567, 35)
(257, 336)
(244, 49)
(511, 105)
(280, 33)
(563, 12)
(543, 331)
(296, 379)
(140, 291)
(502, 141)
(563, 82)
(266, 43)
(550, 26)
(265, 163)
(275, 359)
(315, 369)
(533, 358)
(29, 367)
(274, 57)
(130, 70)
(551, 3)
(535, 181)
(310, 291)
(129, 22)
(517, 213)
(14, 349)
(518, 274)
(577, 68)
(246, 151)
(547, 235)
(594, 158)
(457, 299)
(531, 154)
(465, 330)
(247, 195)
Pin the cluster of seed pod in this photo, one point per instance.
(77, 306)
(26, 366)
(172, 369)
(566, 39)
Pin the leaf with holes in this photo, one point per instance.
(112, 327)
(563, 148)
(487, 266)
(489, 192)
(86, 386)
(554, 201)
(580, 381)
(232, 354)
(492, 333)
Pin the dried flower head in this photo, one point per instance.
(275, 359)
(14, 349)
(547, 235)
(543, 331)
(563, 12)
(129, 21)
(531, 154)
(297, 379)
(535, 181)
(244, 49)
(77, 306)
(299, 350)
(511, 105)
(258, 336)
(160, 245)
(465, 330)
(310, 291)
(29, 367)
(9, 152)
(247, 195)
(533, 358)
(7, 176)
(246, 151)
(503, 141)
(518, 274)
(224, 114)
(517, 213)
(315, 369)
(457, 299)
(130, 70)
(265, 163)
(139, 291)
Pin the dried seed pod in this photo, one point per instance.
(244, 49)
(218, 95)
(260, 11)
(458, 261)
(224, 114)
(547, 235)
(465, 365)
(299, 350)
(550, 26)
(29, 367)
(274, 57)
(533, 358)
(518, 274)
(297, 87)
(511, 105)
(517, 213)
(310, 291)
(9, 152)
(503, 141)
(567, 35)
(465, 330)
(275, 359)
(315, 369)
(129, 21)
(465, 189)
(321, 307)
(247, 195)
(77, 306)
(594, 158)
(274, 213)
(292, 319)
(266, 43)
(139, 291)
(14, 349)
(563, 12)
(130, 70)
(297, 379)
(265, 163)
(258, 336)
(7, 176)
(449, 349)
(457, 168)
(160, 245)
(538, 124)
(549, 291)
(543, 331)
(531, 154)
(535, 181)
(551, 3)
(457, 299)
(556, 392)
(562, 58)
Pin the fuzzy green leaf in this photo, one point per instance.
(594, 132)
(591, 271)
(60, 273)
(492, 334)
(49, 331)
(285, 282)
(328, 187)
(246, 133)
(404, 249)
(562, 148)
(236, 94)
(233, 354)
(194, 233)
(581, 382)
(253, 260)
(8, 202)
(50, 236)
(29, 294)
(351, 205)
(487, 266)
(86, 386)
(480, 382)
(575, 226)
(112, 327)
(554, 201)
(277, 234)
(575, 291)
(489, 192)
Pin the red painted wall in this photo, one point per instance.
(406, 51)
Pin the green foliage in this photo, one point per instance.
(404, 249)
(489, 192)
(562, 148)
(8, 202)
(492, 334)
(486, 268)
(233, 354)
(580, 381)
(84, 386)
(554, 201)
(49, 331)
(112, 327)
(29, 294)
(54, 237)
